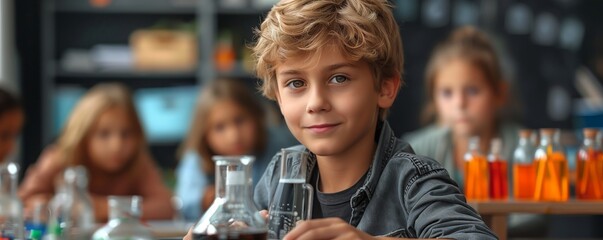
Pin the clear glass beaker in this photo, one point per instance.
(293, 198)
(124, 220)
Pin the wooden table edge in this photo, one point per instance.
(577, 207)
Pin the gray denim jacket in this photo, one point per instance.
(404, 195)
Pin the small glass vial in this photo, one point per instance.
(524, 170)
(124, 220)
(551, 168)
(589, 168)
(499, 181)
(476, 172)
(71, 212)
(11, 208)
(35, 225)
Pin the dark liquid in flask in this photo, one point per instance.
(232, 236)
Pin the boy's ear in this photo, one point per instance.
(389, 91)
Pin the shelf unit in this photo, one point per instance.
(67, 24)
(127, 7)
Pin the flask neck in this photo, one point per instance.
(546, 140)
(124, 208)
(8, 185)
(233, 180)
(8, 179)
(589, 143)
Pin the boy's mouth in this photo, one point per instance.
(322, 128)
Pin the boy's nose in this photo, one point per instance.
(318, 101)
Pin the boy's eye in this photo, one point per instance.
(339, 79)
(295, 84)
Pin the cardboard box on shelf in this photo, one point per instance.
(164, 50)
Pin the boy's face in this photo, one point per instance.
(330, 103)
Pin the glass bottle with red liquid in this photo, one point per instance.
(476, 172)
(524, 170)
(552, 171)
(589, 168)
(499, 180)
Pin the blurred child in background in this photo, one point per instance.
(466, 96)
(466, 92)
(11, 122)
(229, 120)
(104, 134)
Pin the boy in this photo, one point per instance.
(334, 67)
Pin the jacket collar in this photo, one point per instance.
(386, 141)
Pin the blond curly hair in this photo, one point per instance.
(364, 30)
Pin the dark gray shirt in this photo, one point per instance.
(403, 195)
(337, 204)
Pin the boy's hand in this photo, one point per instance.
(189, 235)
(264, 214)
(328, 228)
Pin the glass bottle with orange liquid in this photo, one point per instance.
(476, 172)
(589, 168)
(224, 56)
(499, 181)
(524, 170)
(551, 168)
